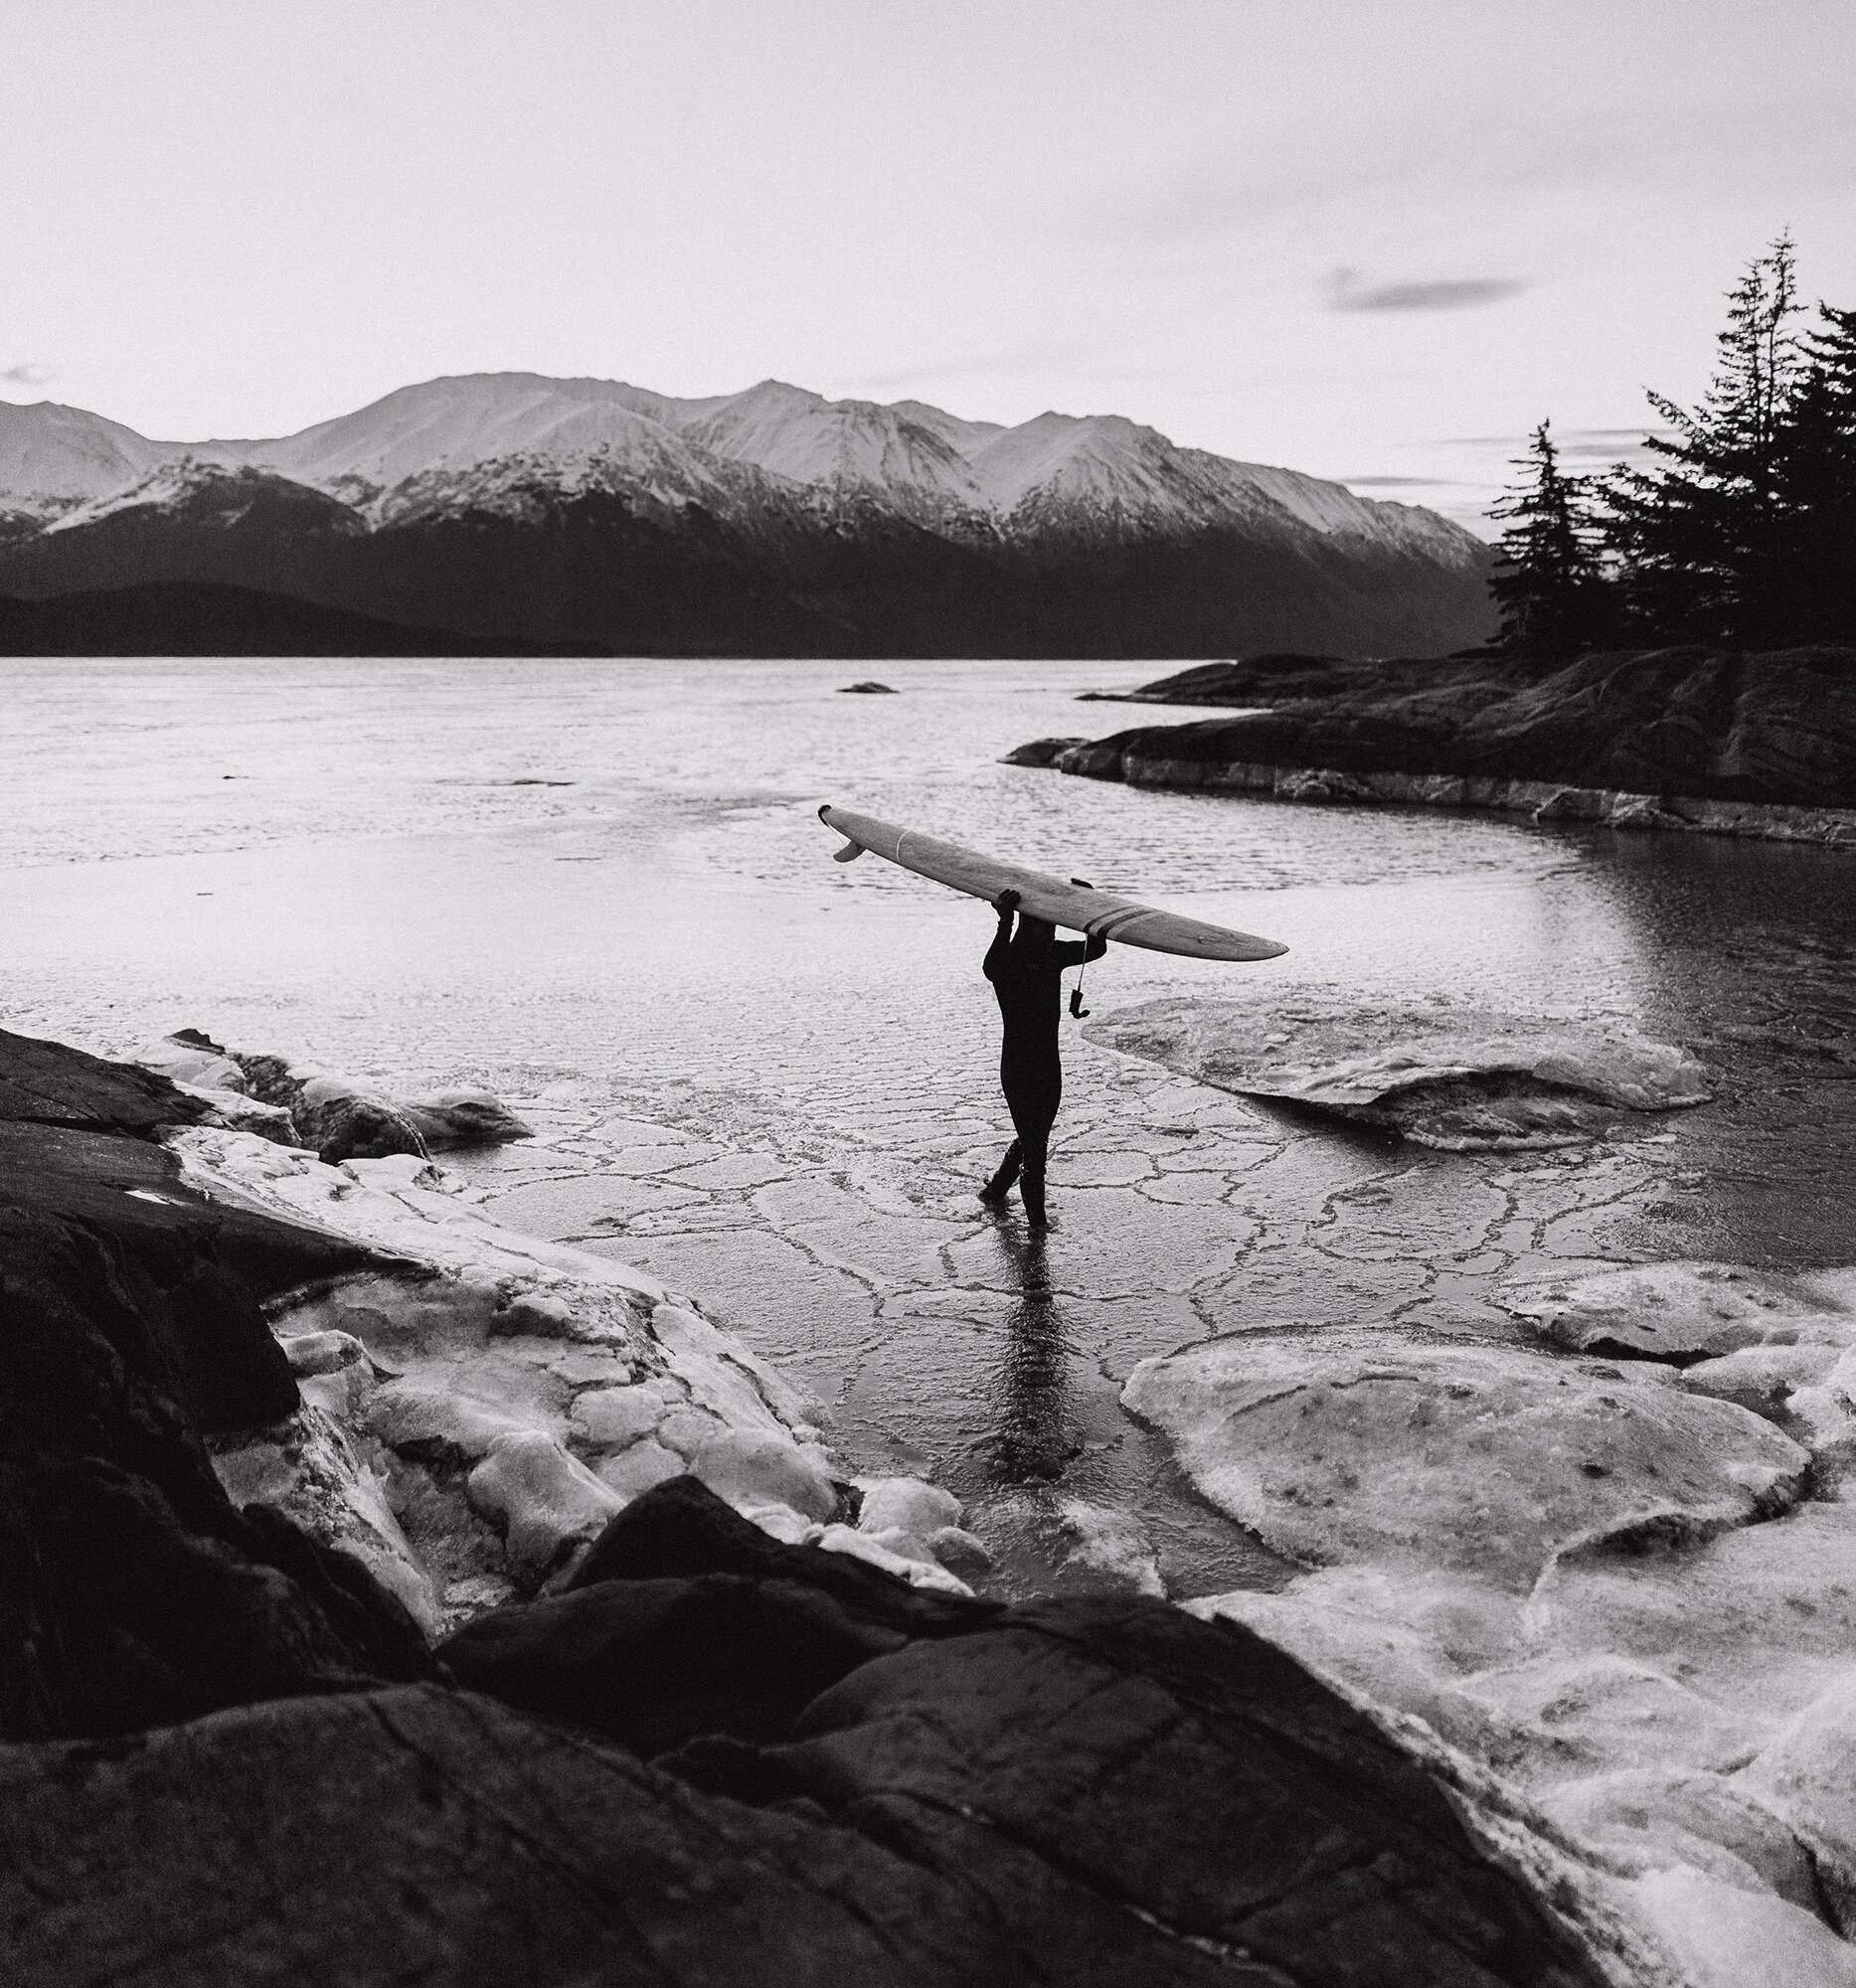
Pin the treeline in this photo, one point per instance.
(1743, 535)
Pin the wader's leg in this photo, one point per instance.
(1032, 1186)
(1000, 1184)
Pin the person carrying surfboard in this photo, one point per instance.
(1026, 970)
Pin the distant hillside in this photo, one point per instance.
(588, 512)
(185, 618)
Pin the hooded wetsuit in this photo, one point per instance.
(1026, 975)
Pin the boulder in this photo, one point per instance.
(237, 1113)
(1455, 1078)
(654, 1664)
(1807, 1776)
(1338, 1447)
(1040, 752)
(1685, 1311)
(1668, 1819)
(188, 1057)
(307, 1470)
(462, 1116)
(1727, 1936)
(340, 1121)
(545, 1501)
(616, 1416)
(750, 1467)
(635, 1470)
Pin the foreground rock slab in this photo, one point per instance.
(1338, 1447)
(938, 1792)
(1449, 1078)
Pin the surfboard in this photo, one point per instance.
(1067, 902)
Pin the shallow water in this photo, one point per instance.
(601, 887)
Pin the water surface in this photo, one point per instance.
(599, 887)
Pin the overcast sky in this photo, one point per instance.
(1375, 239)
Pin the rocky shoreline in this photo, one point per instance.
(577, 1652)
(1683, 740)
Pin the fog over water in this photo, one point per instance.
(599, 888)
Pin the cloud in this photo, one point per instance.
(26, 375)
(1347, 294)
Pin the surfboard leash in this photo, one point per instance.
(1079, 1013)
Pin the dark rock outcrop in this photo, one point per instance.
(133, 1592)
(48, 1083)
(1040, 752)
(1775, 728)
(1080, 1790)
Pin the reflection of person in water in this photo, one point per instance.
(1025, 969)
(1037, 1438)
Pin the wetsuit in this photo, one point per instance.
(1026, 976)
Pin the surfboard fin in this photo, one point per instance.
(848, 854)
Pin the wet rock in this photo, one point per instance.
(444, 1419)
(314, 1353)
(1777, 726)
(750, 1467)
(445, 1834)
(1724, 1936)
(137, 1593)
(635, 1470)
(545, 1501)
(344, 1118)
(237, 1113)
(906, 1505)
(1040, 752)
(1686, 1310)
(904, 1558)
(868, 687)
(1321, 785)
(1809, 1776)
(307, 1470)
(190, 1058)
(616, 1415)
(51, 1084)
(683, 1529)
(656, 1663)
(1340, 1447)
(445, 1119)
(340, 1123)
(1581, 1711)
(1455, 1078)
(1668, 1819)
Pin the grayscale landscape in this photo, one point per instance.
(590, 1394)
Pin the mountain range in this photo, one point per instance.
(592, 515)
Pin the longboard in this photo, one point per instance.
(1063, 900)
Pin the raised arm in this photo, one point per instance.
(1076, 952)
(1005, 903)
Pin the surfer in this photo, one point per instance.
(1026, 970)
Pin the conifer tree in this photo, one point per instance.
(1814, 495)
(1548, 580)
(1701, 541)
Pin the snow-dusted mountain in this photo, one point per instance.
(854, 522)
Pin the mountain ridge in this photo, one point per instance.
(909, 527)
